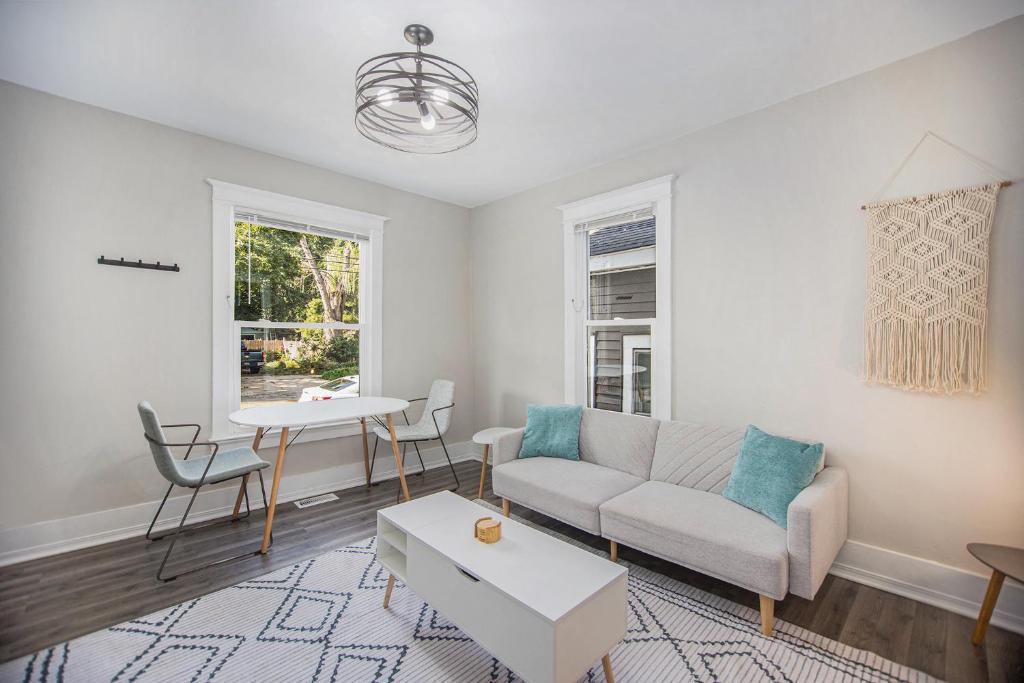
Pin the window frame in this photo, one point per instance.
(655, 194)
(228, 199)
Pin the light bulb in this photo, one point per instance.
(426, 118)
(386, 97)
(440, 94)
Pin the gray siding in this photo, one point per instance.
(625, 294)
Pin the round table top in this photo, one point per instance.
(605, 371)
(488, 436)
(310, 413)
(1002, 558)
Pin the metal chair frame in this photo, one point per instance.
(202, 480)
(415, 443)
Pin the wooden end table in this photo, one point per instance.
(1004, 561)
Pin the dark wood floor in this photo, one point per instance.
(52, 599)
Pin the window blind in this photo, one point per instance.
(618, 219)
(271, 222)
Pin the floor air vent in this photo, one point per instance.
(315, 500)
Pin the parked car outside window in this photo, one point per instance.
(343, 387)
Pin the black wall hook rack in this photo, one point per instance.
(102, 260)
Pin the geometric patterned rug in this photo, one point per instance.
(322, 620)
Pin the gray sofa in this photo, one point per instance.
(656, 486)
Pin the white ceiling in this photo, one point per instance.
(564, 84)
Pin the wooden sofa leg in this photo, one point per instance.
(767, 615)
(505, 506)
(613, 550)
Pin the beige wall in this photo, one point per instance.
(84, 343)
(768, 289)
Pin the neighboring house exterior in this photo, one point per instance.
(622, 287)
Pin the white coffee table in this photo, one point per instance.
(546, 609)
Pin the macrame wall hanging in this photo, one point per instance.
(927, 286)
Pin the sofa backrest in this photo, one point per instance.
(617, 440)
(696, 456)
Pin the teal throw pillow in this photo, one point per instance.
(552, 431)
(770, 471)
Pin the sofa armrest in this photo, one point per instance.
(507, 447)
(816, 530)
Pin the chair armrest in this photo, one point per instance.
(433, 416)
(507, 447)
(816, 530)
(194, 436)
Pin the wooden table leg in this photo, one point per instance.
(995, 584)
(398, 458)
(366, 451)
(272, 504)
(387, 591)
(483, 472)
(239, 497)
(606, 662)
(245, 480)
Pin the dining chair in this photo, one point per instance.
(216, 467)
(432, 425)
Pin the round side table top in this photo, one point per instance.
(1002, 558)
(488, 436)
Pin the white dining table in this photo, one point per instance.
(287, 416)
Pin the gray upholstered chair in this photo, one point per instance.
(216, 467)
(433, 424)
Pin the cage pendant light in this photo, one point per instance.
(416, 102)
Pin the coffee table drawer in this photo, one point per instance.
(535, 648)
(509, 630)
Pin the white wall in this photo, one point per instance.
(768, 289)
(84, 343)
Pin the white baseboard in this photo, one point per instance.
(950, 588)
(82, 531)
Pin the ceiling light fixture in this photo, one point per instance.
(416, 102)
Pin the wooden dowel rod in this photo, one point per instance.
(1002, 183)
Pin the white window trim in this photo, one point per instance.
(227, 198)
(657, 194)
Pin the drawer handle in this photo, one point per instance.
(467, 574)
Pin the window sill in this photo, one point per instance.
(308, 435)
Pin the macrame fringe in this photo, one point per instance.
(939, 356)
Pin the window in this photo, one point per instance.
(617, 284)
(296, 311)
(296, 303)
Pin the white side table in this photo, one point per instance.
(487, 437)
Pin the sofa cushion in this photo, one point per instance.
(703, 531)
(617, 440)
(694, 455)
(770, 471)
(552, 432)
(567, 490)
